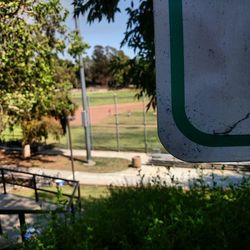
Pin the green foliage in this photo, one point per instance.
(35, 130)
(32, 33)
(66, 73)
(144, 71)
(77, 46)
(60, 199)
(119, 68)
(157, 217)
(107, 67)
(97, 9)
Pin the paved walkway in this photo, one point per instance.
(16, 202)
(10, 223)
(179, 172)
(155, 167)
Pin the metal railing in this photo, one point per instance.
(36, 182)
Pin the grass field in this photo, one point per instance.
(134, 118)
(105, 97)
(104, 138)
(131, 134)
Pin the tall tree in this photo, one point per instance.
(107, 67)
(119, 69)
(139, 35)
(99, 69)
(32, 33)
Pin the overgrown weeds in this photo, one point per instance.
(156, 217)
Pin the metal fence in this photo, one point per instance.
(118, 123)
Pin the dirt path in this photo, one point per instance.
(99, 113)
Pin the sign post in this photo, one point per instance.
(203, 78)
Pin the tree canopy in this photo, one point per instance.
(139, 35)
(32, 33)
(105, 67)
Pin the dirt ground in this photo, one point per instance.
(61, 162)
(14, 158)
(99, 113)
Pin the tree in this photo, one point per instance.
(32, 33)
(99, 69)
(66, 72)
(88, 64)
(105, 67)
(139, 36)
(120, 68)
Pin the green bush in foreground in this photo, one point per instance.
(155, 218)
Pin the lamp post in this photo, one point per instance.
(85, 112)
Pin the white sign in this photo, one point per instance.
(203, 78)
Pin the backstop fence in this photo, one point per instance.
(116, 123)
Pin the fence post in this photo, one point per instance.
(3, 180)
(1, 229)
(90, 125)
(22, 224)
(145, 125)
(67, 136)
(35, 188)
(71, 149)
(117, 124)
(79, 197)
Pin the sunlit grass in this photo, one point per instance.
(86, 192)
(105, 97)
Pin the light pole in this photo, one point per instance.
(85, 112)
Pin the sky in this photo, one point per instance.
(102, 33)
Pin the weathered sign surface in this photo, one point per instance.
(203, 78)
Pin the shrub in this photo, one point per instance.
(155, 217)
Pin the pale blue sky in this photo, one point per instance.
(103, 33)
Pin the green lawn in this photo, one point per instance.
(107, 97)
(7, 134)
(87, 192)
(104, 138)
(131, 134)
(134, 118)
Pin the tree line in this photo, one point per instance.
(107, 67)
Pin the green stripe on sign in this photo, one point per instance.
(178, 89)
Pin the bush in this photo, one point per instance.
(155, 218)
